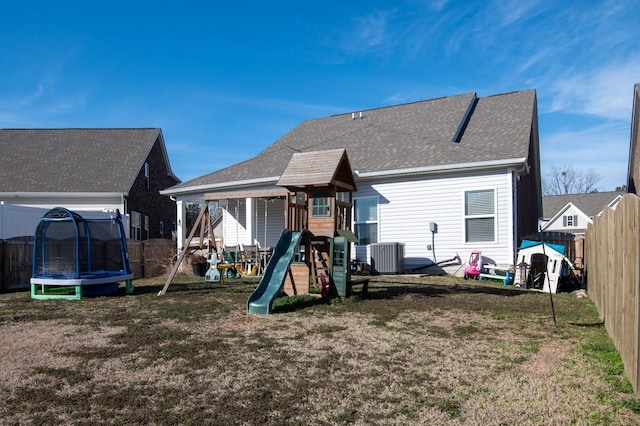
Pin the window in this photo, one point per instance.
(365, 213)
(146, 175)
(479, 215)
(321, 206)
(146, 227)
(570, 221)
(136, 231)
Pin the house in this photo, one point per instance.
(633, 172)
(86, 170)
(565, 219)
(440, 177)
(572, 213)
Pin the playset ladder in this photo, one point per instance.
(320, 262)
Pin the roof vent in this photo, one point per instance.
(360, 116)
(457, 137)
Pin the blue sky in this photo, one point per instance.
(224, 81)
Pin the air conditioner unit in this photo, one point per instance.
(387, 258)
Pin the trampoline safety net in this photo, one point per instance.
(66, 245)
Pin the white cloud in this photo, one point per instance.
(509, 12)
(371, 29)
(604, 92)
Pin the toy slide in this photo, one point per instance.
(273, 278)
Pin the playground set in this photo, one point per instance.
(314, 248)
(74, 256)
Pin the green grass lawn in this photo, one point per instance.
(437, 350)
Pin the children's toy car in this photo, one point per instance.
(474, 265)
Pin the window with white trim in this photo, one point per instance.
(365, 219)
(479, 215)
(570, 220)
(136, 222)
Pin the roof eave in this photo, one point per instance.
(17, 195)
(216, 186)
(447, 168)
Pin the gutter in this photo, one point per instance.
(480, 165)
(18, 195)
(211, 187)
(521, 163)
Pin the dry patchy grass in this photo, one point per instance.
(413, 351)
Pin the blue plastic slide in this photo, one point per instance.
(273, 278)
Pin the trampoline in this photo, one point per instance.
(74, 256)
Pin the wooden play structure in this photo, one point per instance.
(206, 242)
(314, 249)
(320, 189)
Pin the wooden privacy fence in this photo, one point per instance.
(150, 258)
(612, 250)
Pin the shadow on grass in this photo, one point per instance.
(191, 286)
(599, 324)
(294, 303)
(401, 289)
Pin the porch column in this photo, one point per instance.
(250, 207)
(181, 215)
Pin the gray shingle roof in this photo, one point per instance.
(591, 203)
(413, 135)
(73, 160)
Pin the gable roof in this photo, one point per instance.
(318, 168)
(416, 137)
(590, 203)
(74, 160)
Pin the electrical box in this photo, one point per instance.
(433, 227)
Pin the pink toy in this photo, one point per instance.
(474, 265)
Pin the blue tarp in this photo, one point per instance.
(529, 243)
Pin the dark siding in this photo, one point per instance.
(149, 202)
(529, 196)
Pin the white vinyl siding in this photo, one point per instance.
(571, 219)
(407, 206)
(234, 222)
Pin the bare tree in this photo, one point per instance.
(567, 179)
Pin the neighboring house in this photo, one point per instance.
(633, 172)
(86, 170)
(572, 213)
(442, 177)
(565, 219)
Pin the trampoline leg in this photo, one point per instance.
(129, 287)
